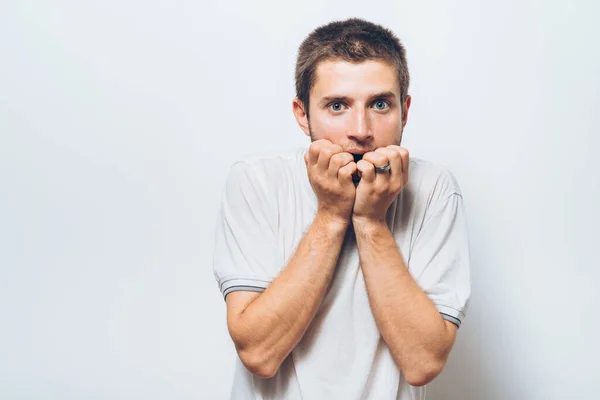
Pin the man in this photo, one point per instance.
(344, 266)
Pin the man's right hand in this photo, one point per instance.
(266, 327)
(330, 172)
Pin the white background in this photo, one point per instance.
(119, 121)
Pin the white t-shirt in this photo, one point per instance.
(268, 205)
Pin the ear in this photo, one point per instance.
(406, 107)
(300, 114)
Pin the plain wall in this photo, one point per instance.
(119, 121)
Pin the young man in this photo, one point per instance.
(344, 266)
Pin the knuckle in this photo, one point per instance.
(337, 156)
(395, 156)
(314, 149)
(327, 152)
(365, 165)
(370, 157)
(344, 171)
(380, 159)
(336, 161)
(342, 160)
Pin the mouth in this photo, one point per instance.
(356, 175)
(357, 157)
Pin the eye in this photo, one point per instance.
(381, 105)
(336, 107)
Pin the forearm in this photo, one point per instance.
(273, 324)
(408, 321)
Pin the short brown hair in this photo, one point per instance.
(352, 40)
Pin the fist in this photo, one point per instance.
(377, 190)
(330, 172)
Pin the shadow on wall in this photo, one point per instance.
(466, 375)
(479, 367)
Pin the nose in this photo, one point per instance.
(360, 128)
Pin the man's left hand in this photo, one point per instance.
(377, 190)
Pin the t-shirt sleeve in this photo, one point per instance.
(440, 262)
(245, 254)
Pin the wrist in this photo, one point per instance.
(368, 225)
(332, 221)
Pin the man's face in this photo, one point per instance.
(357, 105)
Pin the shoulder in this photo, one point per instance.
(432, 178)
(262, 162)
(430, 185)
(265, 171)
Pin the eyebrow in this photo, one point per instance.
(383, 95)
